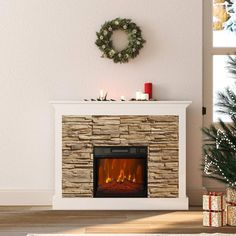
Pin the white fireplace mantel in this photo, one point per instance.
(177, 108)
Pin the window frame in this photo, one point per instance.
(208, 52)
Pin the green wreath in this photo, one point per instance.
(135, 40)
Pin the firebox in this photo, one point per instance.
(120, 171)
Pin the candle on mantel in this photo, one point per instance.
(122, 98)
(148, 89)
(145, 96)
(138, 95)
(102, 93)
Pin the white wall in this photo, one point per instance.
(47, 52)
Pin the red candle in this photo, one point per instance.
(148, 89)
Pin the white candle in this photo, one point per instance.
(102, 93)
(144, 96)
(138, 95)
(122, 98)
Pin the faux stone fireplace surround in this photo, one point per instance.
(148, 113)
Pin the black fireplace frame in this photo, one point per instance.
(119, 152)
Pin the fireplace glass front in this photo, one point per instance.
(120, 171)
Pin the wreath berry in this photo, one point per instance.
(135, 40)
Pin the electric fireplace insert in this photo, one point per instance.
(120, 171)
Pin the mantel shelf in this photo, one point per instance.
(121, 102)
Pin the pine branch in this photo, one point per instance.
(227, 102)
(219, 146)
(231, 66)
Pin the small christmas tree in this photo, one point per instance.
(219, 147)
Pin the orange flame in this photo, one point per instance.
(120, 170)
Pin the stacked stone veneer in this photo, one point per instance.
(81, 133)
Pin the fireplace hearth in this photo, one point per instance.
(120, 171)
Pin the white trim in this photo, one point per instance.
(182, 156)
(120, 203)
(177, 108)
(25, 197)
(159, 234)
(119, 102)
(120, 108)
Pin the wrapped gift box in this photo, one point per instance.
(231, 215)
(214, 219)
(231, 195)
(214, 202)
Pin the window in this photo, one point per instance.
(219, 41)
(221, 80)
(224, 24)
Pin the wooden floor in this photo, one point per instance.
(18, 221)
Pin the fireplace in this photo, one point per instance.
(120, 171)
(83, 128)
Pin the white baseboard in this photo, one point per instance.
(26, 197)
